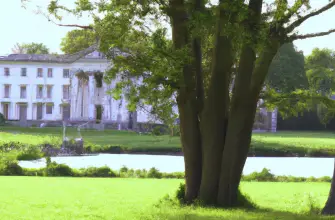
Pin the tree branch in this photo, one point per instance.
(305, 36)
(298, 22)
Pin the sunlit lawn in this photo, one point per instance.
(81, 198)
(292, 141)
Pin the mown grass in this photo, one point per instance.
(263, 144)
(71, 198)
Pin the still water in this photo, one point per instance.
(302, 167)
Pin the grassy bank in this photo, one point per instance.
(72, 198)
(111, 141)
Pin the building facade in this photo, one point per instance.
(37, 89)
(47, 88)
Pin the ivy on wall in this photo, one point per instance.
(98, 76)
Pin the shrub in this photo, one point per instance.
(264, 175)
(33, 172)
(99, 172)
(140, 173)
(32, 153)
(154, 173)
(2, 120)
(156, 131)
(54, 169)
(180, 194)
(11, 168)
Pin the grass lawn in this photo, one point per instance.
(81, 198)
(276, 144)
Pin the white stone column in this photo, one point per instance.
(274, 120)
(91, 98)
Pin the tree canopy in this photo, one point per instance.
(77, 40)
(211, 60)
(30, 48)
(287, 70)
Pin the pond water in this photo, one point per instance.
(300, 167)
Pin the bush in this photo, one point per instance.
(156, 131)
(180, 194)
(154, 173)
(2, 120)
(11, 168)
(33, 172)
(32, 153)
(54, 169)
(98, 172)
(264, 175)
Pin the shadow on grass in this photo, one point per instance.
(172, 212)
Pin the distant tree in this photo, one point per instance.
(320, 67)
(287, 70)
(77, 40)
(30, 48)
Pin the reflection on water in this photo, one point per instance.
(302, 167)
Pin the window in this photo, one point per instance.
(39, 72)
(66, 91)
(23, 71)
(49, 92)
(39, 93)
(7, 72)
(49, 109)
(23, 92)
(66, 73)
(49, 72)
(7, 91)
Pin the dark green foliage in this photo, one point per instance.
(157, 131)
(77, 40)
(99, 110)
(180, 193)
(32, 153)
(31, 48)
(263, 176)
(98, 172)
(98, 76)
(154, 173)
(287, 70)
(55, 169)
(2, 120)
(11, 168)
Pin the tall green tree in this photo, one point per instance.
(77, 40)
(30, 48)
(320, 66)
(215, 121)
(287, 70)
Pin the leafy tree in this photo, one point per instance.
(320, 67)
(30, 48)
(77, 40)
(215, 122)
(287, 70)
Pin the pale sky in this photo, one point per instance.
(21, 25)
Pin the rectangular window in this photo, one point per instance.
(7, 91)
(39, 72)
(39, 92)
(23, 92)
(6, 71)
(49, 109)
(66, 92)
(23, 71)
(49, 92)
(49, 72)
(66, 73)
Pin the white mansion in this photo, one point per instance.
(35, 89)
(47, 88)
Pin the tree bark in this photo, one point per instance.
(187, 103)
(214, 115)
(329, 208)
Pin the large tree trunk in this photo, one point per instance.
(187, 102)
(329, 208)
(214, 116)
